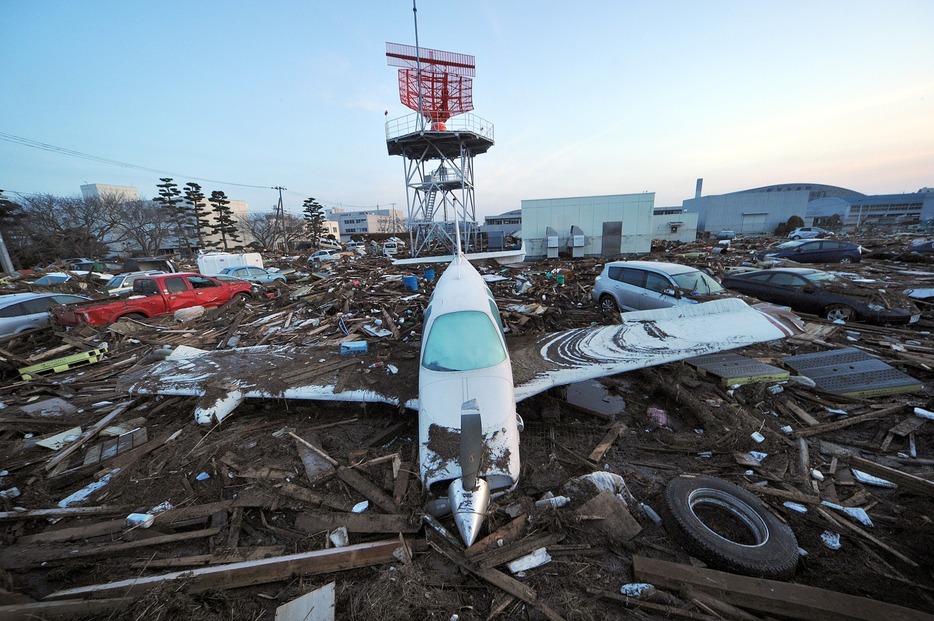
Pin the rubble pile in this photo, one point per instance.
(119, 507)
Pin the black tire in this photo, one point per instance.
(796, 237)
(608, 304)
(243, 297)
(846, 260)
(839, 311)
(761, 544)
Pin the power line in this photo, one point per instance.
(35, 144)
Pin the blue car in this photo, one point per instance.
(813, 251)
(253, 274)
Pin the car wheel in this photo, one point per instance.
(846, 260)
(729, 528)
(608, 304)
(243, 297)
(839, 311)
(796, 237)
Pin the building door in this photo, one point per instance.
(754, 223)
(612, 239)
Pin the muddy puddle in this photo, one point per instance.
(593, 395)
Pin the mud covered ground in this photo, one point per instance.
(675, 419)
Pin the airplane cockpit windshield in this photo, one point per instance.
(463, 341)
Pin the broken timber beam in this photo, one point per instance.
(908, 481)
(785, 599)
(236, 575)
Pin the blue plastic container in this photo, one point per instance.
(410, 283)
(429, 275)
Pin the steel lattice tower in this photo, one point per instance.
(438, 144)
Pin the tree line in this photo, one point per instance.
(41, 229)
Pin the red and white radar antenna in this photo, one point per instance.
(434, 83)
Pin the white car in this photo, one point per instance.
(325, 255)
(123, 283)
(809, 232)
(26, 311)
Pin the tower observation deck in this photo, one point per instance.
(437, 143)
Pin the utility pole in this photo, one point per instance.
(278, 227)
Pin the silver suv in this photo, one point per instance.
(644, 285)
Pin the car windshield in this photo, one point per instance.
(697, 282)
(114, 282)
(820, 277)
(790, 244)
(447, 349)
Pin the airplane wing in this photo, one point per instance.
(224, 378)
(645, 339)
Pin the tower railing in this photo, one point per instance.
(414, 123)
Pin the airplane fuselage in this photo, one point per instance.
(464, 358)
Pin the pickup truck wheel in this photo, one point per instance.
(729, 528)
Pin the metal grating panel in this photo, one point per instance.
(736, 369)
(853, 373)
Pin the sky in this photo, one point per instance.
(586, 98)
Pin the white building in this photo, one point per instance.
(606, 226)
(368, 221)
(122, 193)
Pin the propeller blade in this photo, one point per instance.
(471, 447)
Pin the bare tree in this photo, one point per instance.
(58, 227)
(262, 228)
(293, 230)
(147, 226)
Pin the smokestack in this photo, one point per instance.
(697, 189)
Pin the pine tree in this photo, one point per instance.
(199, 211)
(314, 220)
(224, 223)
(169, 200)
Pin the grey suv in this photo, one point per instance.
(644, 285)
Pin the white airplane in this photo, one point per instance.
(469, 380)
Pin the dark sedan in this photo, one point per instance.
(813, 251)
(824, 294)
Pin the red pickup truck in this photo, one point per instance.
(154, 295)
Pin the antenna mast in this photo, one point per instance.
(437, 143)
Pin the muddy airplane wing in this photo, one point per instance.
(644, 339)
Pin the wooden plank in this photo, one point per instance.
(248, 573)
(907, 481)
(847, 422)
(299, 492)
(781, 598)
(64, 609)
(75, 533)
(87, 435)
(612, 433)
(18, 557)
(202, 560)
(509, 532)
(507, 553)
(356, 523)
(503, 582)
(402, 484)
(184, 514)
(368, 489)
(40, 514)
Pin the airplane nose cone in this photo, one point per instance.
(469, 508)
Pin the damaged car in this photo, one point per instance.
(825, 294)
(647, 285)
(813, 251)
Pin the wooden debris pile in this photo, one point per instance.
(122, 508)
